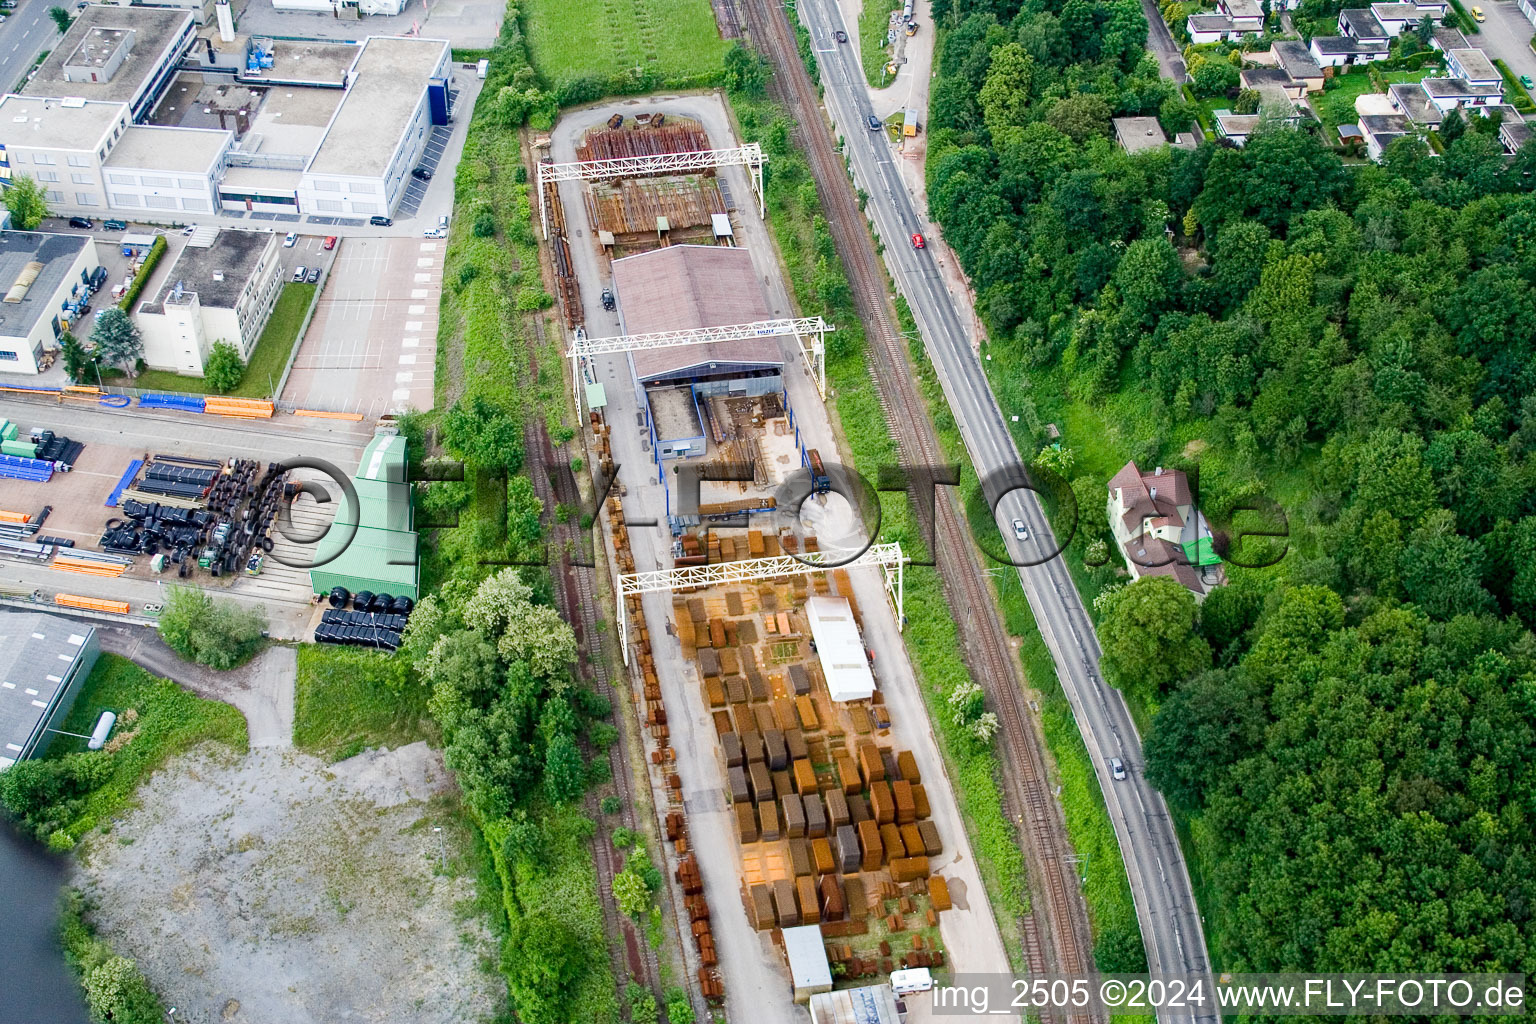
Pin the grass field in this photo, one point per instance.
(874, 23)
(1336, 106)
(267, 359)
(166, 721)
(346, 700)
(672, 40)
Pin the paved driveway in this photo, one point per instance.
(1506, 35)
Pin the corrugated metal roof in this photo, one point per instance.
(687, 286)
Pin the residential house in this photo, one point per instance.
(1294, 57)
(1247, 16)
(1160, 531)
(1341, 51)
(1473, 66)
(1450, 93)
(1380, 129)
(1262, 80)
(1362, 25)
(1208, 28)
(1409, 99)
(1139, 134)
(1400, 18)
(1236, 127)
(1445, 39)
(1514, 132)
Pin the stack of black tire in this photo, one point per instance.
(61, 451)
(375, 620)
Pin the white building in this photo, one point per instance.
(117, 55)
(1400, 18)
(380, 129)
(1472, 66)
(1380, 130)
(61, 145)
(221, 288)
(1339, 51)
(39, 273)
(342, 8)
(1208, 28)
(840, 648)
(166, 170)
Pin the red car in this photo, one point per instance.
(918, 243)
(330, 242)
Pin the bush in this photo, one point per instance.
(223, 370)
(530, 299)
(140, 279)
(485, 224)
(679, 1006)
(114, 989)
(220, 634)
(42, 796)
(611, 805)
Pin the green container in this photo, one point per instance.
(25, 449)
(8, 431)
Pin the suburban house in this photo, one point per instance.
(1472, 66)
(1340, 51)
(1514, 132)
(1450, 93)
(1139, 134)
(1292, 55)
(1208, 28)
(1247, 16)
(1400, 18)
(1159, 529)
(1409, 100)
(1273, 80)
(1362, 25)
(1380, 129)
(1445, 39)
(1236, 127)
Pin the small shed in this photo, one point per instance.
(722, 225)
(807, 958)
(840, 649)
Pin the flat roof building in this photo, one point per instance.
(1473, 65)
(221, 291)
(116, 54)
(166, 169)
(1139, 134)
(397, 92)
(807, 956)
(871, 1004)
(39, 276)
(44, 660)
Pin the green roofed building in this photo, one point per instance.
(380, 555)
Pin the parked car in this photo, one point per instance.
(434, 233)
(918, 242)
(115, 225)
(1526, 82)
(1117, 769)
(842, 36)
(379, 221)
(874, 123)
(82, 222)
(292, 237)
(421, 174)
(314, 275)
(299, 274)
(607, 298)
(442, 222)
(1477, 14)
(330, 243)
(189, 229)
(1020, 530)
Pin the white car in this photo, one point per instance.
(189, 229)
(288, 243)
(434, 233)
(1117, 769)
(1020, 531)
(299, 273)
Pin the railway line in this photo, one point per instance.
(1056, 934)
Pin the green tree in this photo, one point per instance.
(631, 894)
(1080, 117)
(679, 1006)
(60, 18)
(746, 72)
(28, 203)
(1005, 98)
(478, 432)
(223, 369)
(542, 960)
(1443, 570)
(76, 362)
(1150, 637)
(117, 992)
(221, 634)
(1147, 278)
(564, 773)
(116, 339)
(1213, 720)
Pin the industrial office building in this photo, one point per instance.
(222, 287)
(44, 660)
(39, 274)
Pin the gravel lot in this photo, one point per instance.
(271, 887)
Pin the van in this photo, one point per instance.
(380, 222)
(917, 979)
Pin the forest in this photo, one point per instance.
(1346, 736)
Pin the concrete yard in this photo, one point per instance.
(371, 346)
(756, 981)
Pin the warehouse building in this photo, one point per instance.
(222, 287)
(872, 1004)
(372, 546)
(44, 660)
(679, 288)
(39, 274)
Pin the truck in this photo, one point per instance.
(482, 69)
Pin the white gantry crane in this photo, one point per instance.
(749, 156)
(887, 556)
(800, 328)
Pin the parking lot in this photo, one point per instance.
(416, 188)
(372, 344)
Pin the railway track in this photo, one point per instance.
(1056, 934)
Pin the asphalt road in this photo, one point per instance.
(26, 31)
(1165, 905)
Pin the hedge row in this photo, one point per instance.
(142, 277)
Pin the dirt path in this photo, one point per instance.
(261, 689)
(272, 887)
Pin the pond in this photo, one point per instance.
(38, 985)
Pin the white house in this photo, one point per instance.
(1380, 129)
(1400, 18)
(1246, 15)
(1362, 25)
(1159, 530)
(1449, 93)
(1208, 28)
(1472, 66)
(1339, 51)
(1293, 56)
